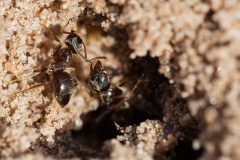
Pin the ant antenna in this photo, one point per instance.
(85, 51)
(62, 30)
(53, 35)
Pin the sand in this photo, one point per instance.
(185, 53)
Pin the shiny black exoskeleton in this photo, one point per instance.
(99, 83)
(98, 80)
(62, 83)
(63, 87)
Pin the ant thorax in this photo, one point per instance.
(61, 58)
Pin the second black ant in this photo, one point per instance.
(99, 83)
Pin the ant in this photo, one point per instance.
(61, 82)
(99, 83)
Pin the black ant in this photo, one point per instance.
(61, 82)
(99, 83)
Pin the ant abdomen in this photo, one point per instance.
(63, 87)
(98, 80)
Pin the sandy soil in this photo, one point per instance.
(185, 53)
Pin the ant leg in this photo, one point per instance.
(75, 46)
(102, 115)
(129, 95)
(52, 34)
(85, 51)
(93, 59)
(83, 87)
(32, 87)
(134, 88)
(28, 76)
(76, 82)
(56, 50)
(44, 70)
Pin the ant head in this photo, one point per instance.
(98, 79)
(74, 42)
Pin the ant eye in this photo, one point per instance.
(92, 78)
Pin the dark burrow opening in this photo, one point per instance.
(147, 102)
(99, 125)
(184, 150)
